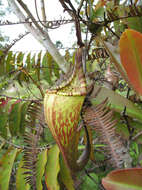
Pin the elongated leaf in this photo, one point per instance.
(24, 108)
(56, 70)
(6, 163)
(28, 61)
(52, 168)
(42, 159)
(131, 57)
(66, 175)
(2, 63)
(15, 118)
(117, 102)
(3, 122)
(9, 62)
(38, 66)
(46, 68)
(20, 178)
(20, 57)
(125, 179)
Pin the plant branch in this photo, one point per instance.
(43, 10)
(25, 8)
(38, 15)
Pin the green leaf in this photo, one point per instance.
(15, 118)
(56, 70)
(52, 168)
(46, 62)
(66, 175)
(99, 13)
(38, 66)
(9, 62)
(28, 62)
(90, 183)
(20, 57)
(20, 178)
(24, 108)
(6, 164)
(3, 122)
(125, 179)
(42, 159)
(135, 23)
(130, 52)
(2, 63)
(117, 102)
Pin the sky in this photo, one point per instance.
(54, 12)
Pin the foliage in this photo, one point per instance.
(100, 116)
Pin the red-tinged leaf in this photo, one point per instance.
(42, 159)
(131, 57)
(52, 168)
(20, 178)
(6, 164)
(65, 175)
(124, 179)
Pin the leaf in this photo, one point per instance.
(66, 175)
(90, 183)
(38, 66)
(28, 61)
(20, 57)
(3, 122)
(131, 57)
(6, 163)
(56, 70)
(52, 168)
(9, 62)
(46, 71)
(15, 118)
(42, 159)
(135, 23)
(117, 102)
(23, 113)
(125, 179)
(2, 63)
(20, 178)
